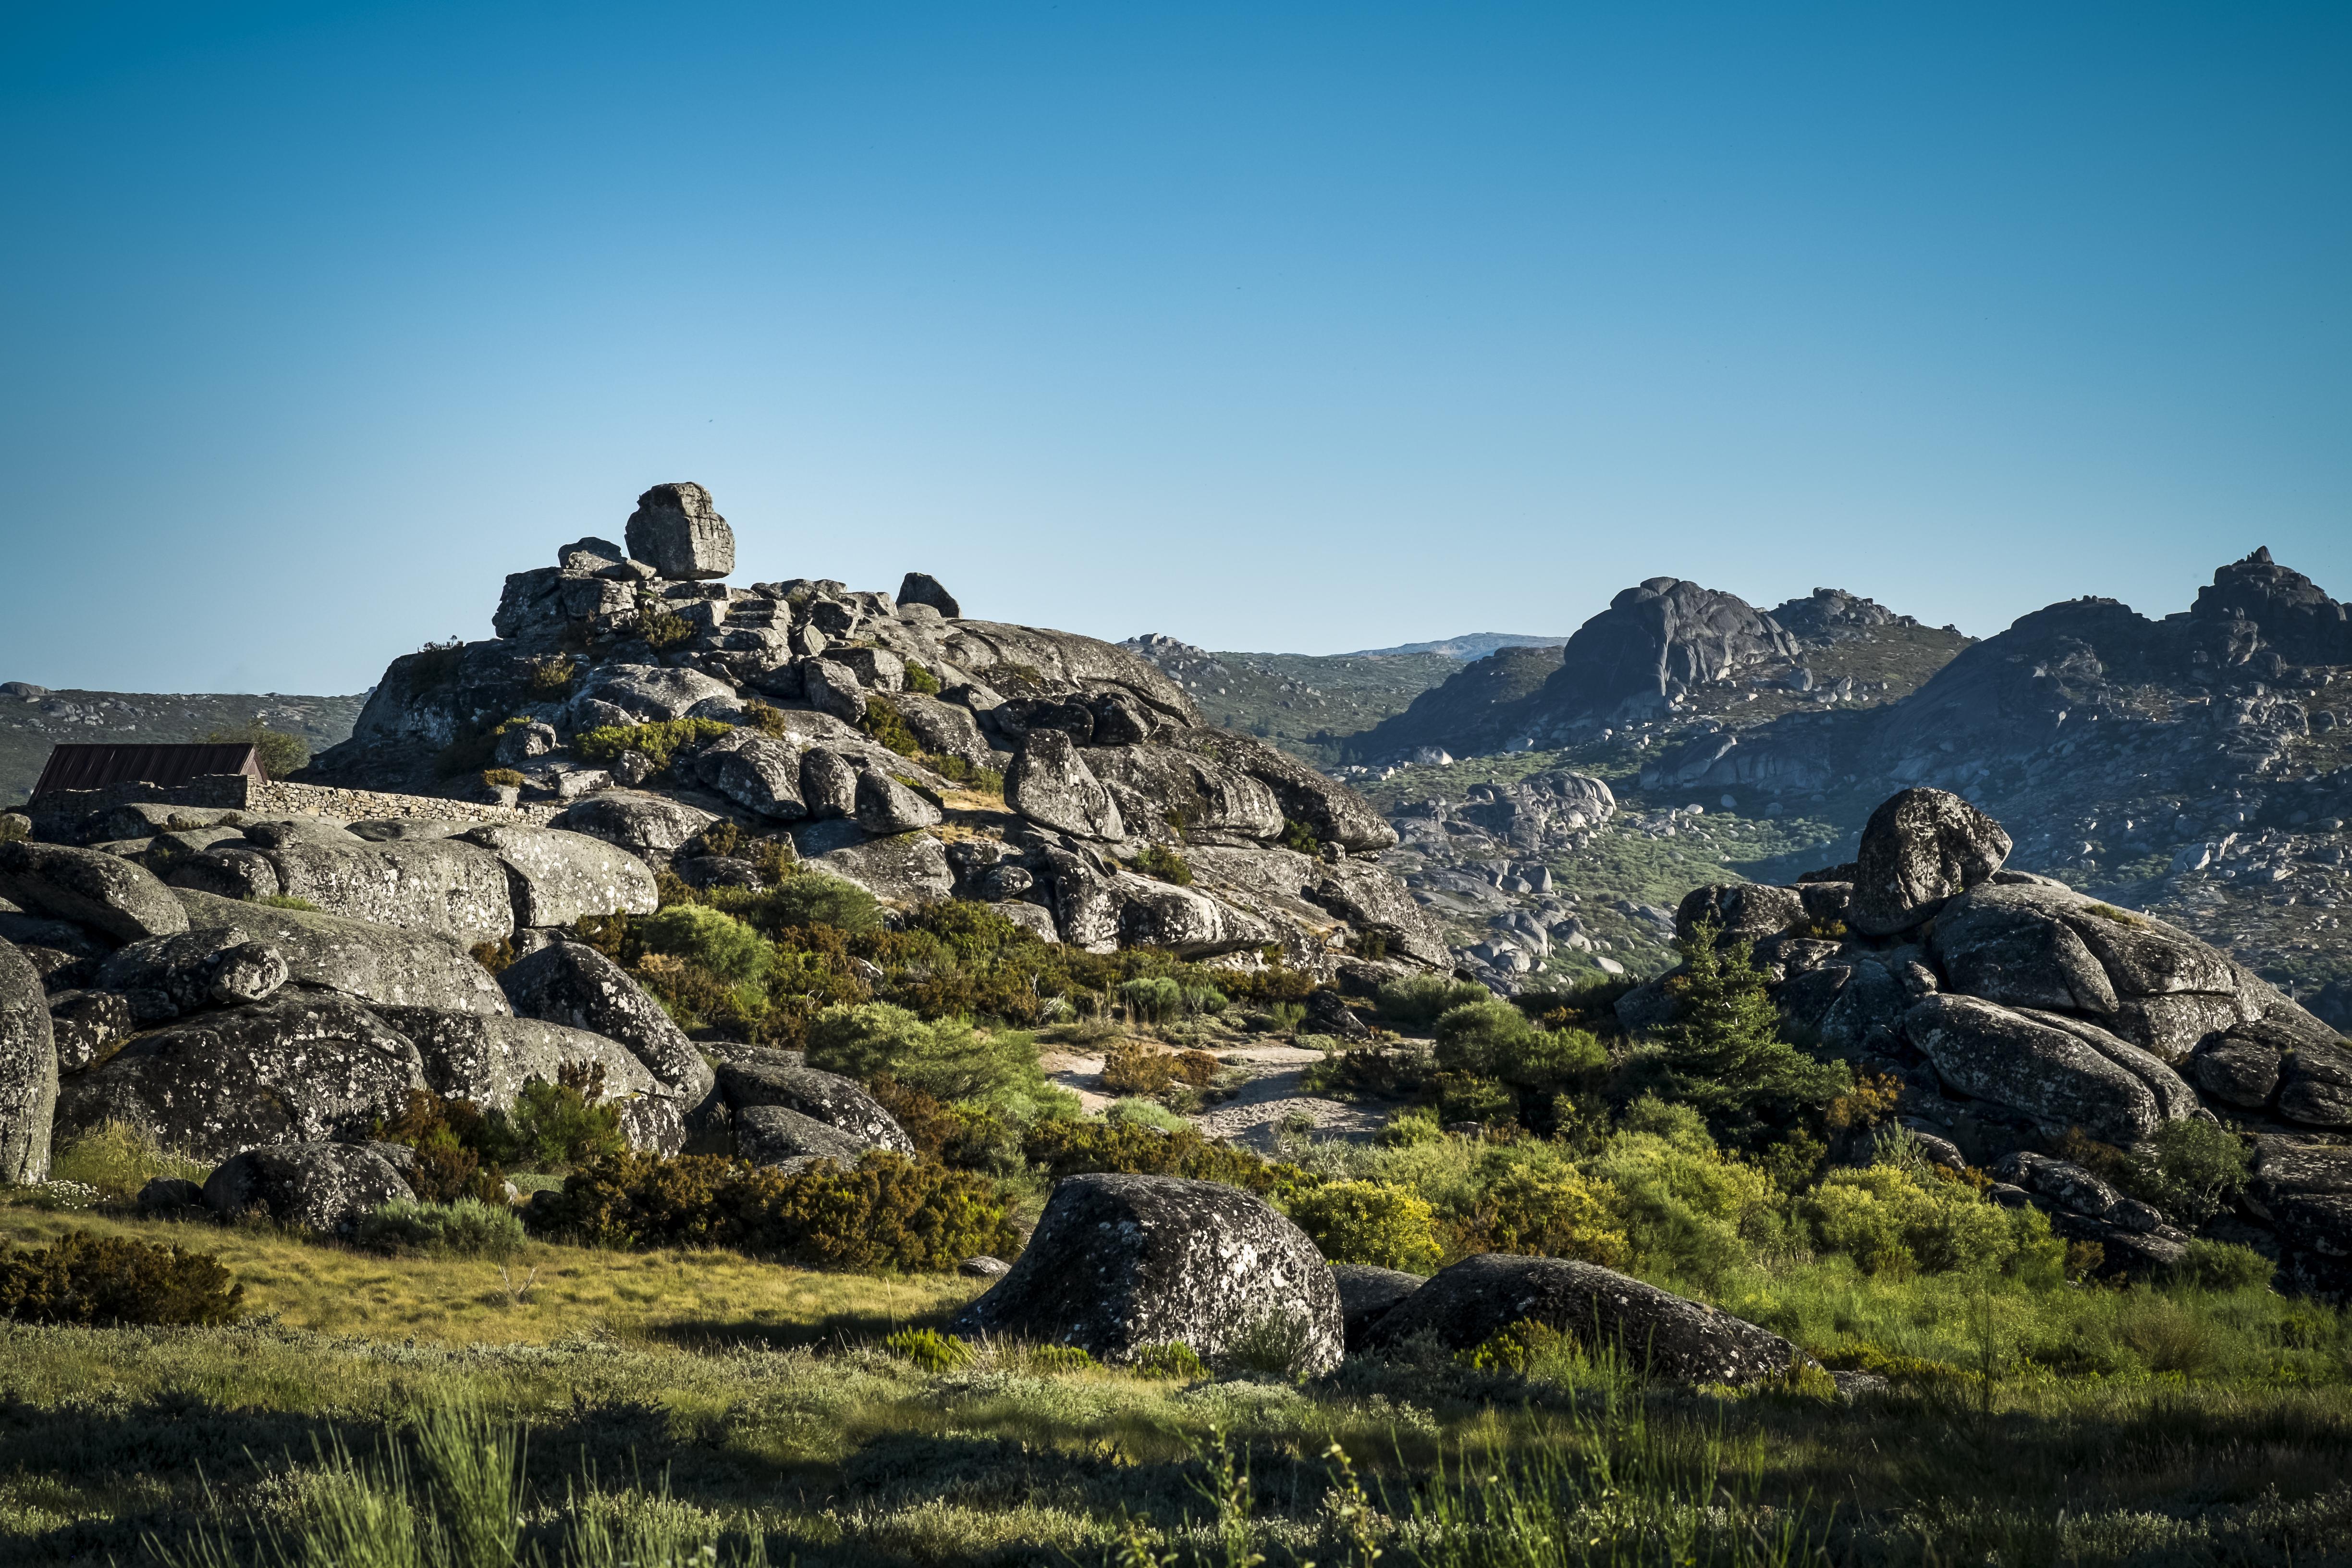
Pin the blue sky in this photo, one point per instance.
(1272, 326)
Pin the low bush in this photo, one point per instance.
(883, 722)
(1543, 1212)
(1175, 1360)
(1075, 1147)
(885, 1211)
(1145, 1113)
(1133, 1068)
(929, 1349)
(921, 680)
(2220, 1266)
(1298, 836)
(100, 1280)
(951, 1061)
(465, 1228)
(502, 778)
(1152, 999)
(1493, 1039)
(659, 742)
(550, 678)
(1889, 1221)
(464, 1152)
(1369, 1222)
(657, 624)
(1051, 1359)
(1419, 1001)
(716, 940)
(1158, 860)
(280, 753)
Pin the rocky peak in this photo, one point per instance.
(2295, 617)
(677, 530)
(1655, 641)
(1828, 614)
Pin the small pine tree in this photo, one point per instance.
(1726, 1050)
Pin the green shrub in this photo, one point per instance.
(119, 1159)
(921, 680)
(1299, 836)
(1132, 1067)
(1158, 860)
(885, 1211)
(1420, 1000)
(1550, 1213)
(814, 898)
(552, 678)
(567, 1123)
(2221, 1265)
(1145, 1113)
(1890, 1221)
(719, 942)
(1153, 999)
(1369, 1222)
(1413, 1124)
(1686, 1210)
(657, 624)
(1050, 1359)
(2190, 1170)
(466, 1228)
(1284, 1016)
(436, 665)
(99, 1280)
(1274, 1345)
(280, 753)
(883, 721)
(1725, 1051)
(659, 742)
(1075, 1147)
(1205, 999)
(929, 1349)
(1492, 1039)
(502, 778)
(1174, 1360)
(949, 1061)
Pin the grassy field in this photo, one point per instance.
(660, 1407)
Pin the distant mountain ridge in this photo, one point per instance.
(33, 719)
(1475, 645)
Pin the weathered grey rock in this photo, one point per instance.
(299, 1068)
(1015, 659)
(904, 868)
(568, 984)
(443, 885)
(922, 588)
(555, 876)
(2011, 945)
(772, 1134)
(2071, 1187)
(520, 745)
(1085, 904)
(833, 688)
(1050, 784)
(2304, 1191)
(1745, 912)
(2144, 956)
(1652, 1330)
(749, 1081)
(1165, 785)
(488, 1060)
(1185, 920)
(2174, 1098)
(1332, 812)
(828, 783)
(1377, 904)
(319, 1186)
(758, 773)
(649, 826)
(644, 693)
(232, 870)
(1920, 849)
(1990, 1053)
(89, 887)
(2285, 1062)
(884, 805)
(85, 1023)
(980, 1266)
(165, 976)
(1034, 919)
(1366, 1293)
(678, 532)
(28, 1070)
(945, 729)
(373, 964)
(1119, 1264)
(168, 1194)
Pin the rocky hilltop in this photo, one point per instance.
(889, 740)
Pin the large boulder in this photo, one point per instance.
(577, 986)
(2011, 944)
(772, 1134)
(488, 1060)
(85, 1023)
(1332, 812)
(753, 1079)
(678, 532)
(1209, 802)
(1366, 1294)
(1743, 911)
(758, 773)
(165, 976)
(28, 1070)
(556, 877)
(2033, 1066)
(1185, 920)
(2285, 1063)
(885, 806)
(1119, 1264)
(922, 588)
(373, 964)
(903, 868)
(1051, 784)
(91, 888)
(301, 1068)
(2304, 1191)
(642, 694)
(431, 884)
(323, 1187)
(1651, 1330)
(1920, 849)
(650, 826)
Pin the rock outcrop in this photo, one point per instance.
(326, 1188)
(28, 1070)
(1120, 1264)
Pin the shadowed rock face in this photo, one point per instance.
(580, 988)
(1662, 635)
(680, 534)
(28, 1070)
(323, 1187)
(1366, 1294)
(91, 888)
(1469, 1303)
(1121, 1263)
(753, 1080)
(1920, 849)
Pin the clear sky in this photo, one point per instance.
(1273, 326)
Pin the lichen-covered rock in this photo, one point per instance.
(1332, 812)
(1121, 1263)
(1920, 849)
(1743, 911)
(85, 1023)
(89, 887)
(1051, 784)
(828, 783)
(430, 884)
(1377, 905)
(2011, 945)
(1992, 1053)
(28, 1070)
(165, 976)
(299, 1068)
(374, 964)
(1655, 1330)
(1366, 1293)
(488, 1060)
(1217, 804)
(885, 806)
(555, 876)
(678, 532)
(2304, 1191)
(750, 1079)
(327, 1188)
(903, 868)
(1185, 920)
(758, 773)
(772, 1134)
(650, 826)
(577, 986)
(2285, 1062)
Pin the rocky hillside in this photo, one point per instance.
(890, 741)
(2193, 765)
(34, 717)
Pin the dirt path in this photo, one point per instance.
(1252, 1118)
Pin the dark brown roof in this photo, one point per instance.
(83, 766)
